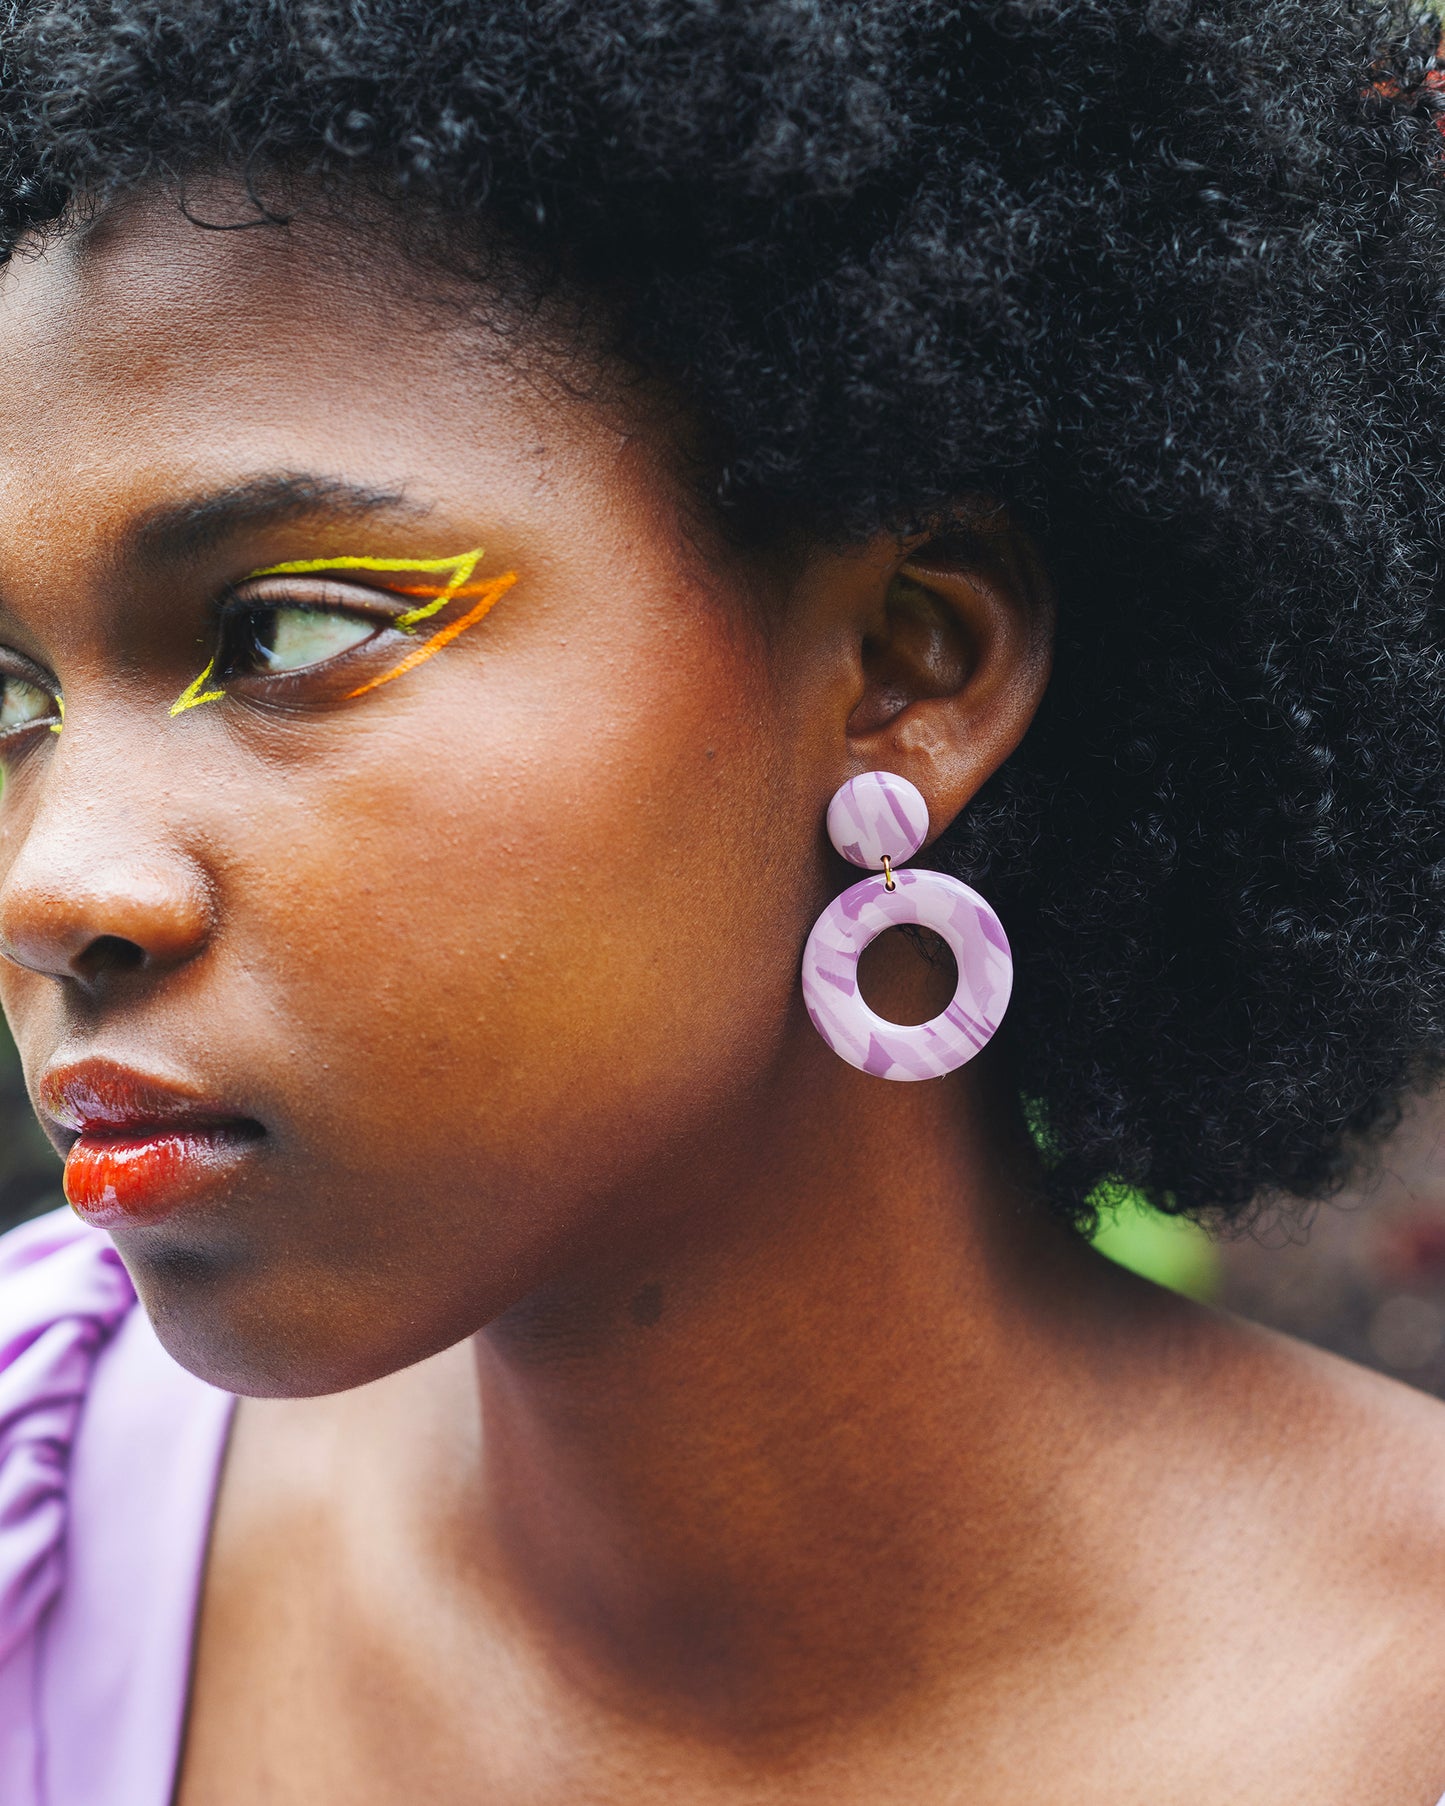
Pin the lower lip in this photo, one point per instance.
(139, 1178)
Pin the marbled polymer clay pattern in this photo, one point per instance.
(892, 1050)
(876, 816)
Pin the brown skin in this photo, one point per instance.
(818, 1464)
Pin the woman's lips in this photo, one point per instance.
(145, 1174)
(143, 1147)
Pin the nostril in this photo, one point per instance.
(106, 956)
(96, 919)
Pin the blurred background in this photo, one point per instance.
(1363, 1275)
(29, 1170)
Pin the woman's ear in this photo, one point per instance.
(947, 643)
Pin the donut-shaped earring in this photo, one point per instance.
(877, 821)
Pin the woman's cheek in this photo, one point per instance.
(547, 907)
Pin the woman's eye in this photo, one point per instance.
(289, 639)
(23, 704)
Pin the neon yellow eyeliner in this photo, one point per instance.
(460, 567)
(457, 569)
(194, 694)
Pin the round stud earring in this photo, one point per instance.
(878, 820)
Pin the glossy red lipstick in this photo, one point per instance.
(142, 1147)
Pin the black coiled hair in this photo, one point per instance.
(1165, 276)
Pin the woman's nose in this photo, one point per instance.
(98, 921)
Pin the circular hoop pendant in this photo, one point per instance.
(894, 1050)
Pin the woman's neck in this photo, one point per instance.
(812, 1443)
(860, 1470)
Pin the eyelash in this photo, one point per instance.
(240, 620)
(14, 735)
(324, 597)
(433, 598)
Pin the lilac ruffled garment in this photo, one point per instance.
(109, 1456)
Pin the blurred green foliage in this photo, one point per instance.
(1165, 1249)
(1169, 1250)
(29, 1169)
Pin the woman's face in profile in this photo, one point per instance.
(411, 940)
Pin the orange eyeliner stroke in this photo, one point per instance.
(458, 571)
(491, 593)
(460, 566)
(432, 589)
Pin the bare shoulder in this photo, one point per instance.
(1332, 1508)
(1369, 1449)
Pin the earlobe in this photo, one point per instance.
(954, 663)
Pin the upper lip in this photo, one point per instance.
(97, 1096)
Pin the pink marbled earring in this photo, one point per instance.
(876, 820)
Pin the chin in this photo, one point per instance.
(247, 1325)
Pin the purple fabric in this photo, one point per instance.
(109, 1456)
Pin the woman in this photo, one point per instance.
(490, 498)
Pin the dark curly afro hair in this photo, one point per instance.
(1164, 276)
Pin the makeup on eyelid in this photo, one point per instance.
(461, 565)
(432, 599)
(492, 593)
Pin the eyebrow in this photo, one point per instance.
(182, 530)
